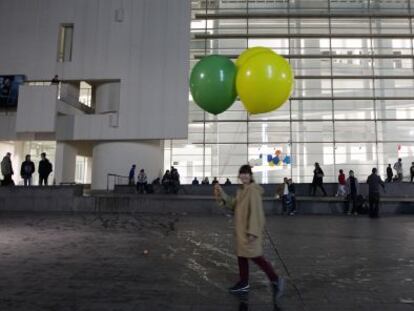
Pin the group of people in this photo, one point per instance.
(206, 181)
(27, 170)
(399, 176)
(142, 179)
(349, 187)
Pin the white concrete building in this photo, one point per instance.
(123, 67)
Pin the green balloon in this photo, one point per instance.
(213, 83)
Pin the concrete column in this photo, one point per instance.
(117, 158)
(88, 170)
(65, 163)
(107, 97)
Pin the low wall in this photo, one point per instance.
(403, 189)
(70, 199)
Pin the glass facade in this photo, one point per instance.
(353, 102)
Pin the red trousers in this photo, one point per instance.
(261, 262)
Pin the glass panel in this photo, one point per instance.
(395, 131)
(263, 132)
(355, 131)
(354, 109)
(321, 131)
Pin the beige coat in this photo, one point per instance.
(248, 219)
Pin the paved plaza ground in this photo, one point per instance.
(73, 262)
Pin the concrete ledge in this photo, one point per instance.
(403, 189)
(70, 199)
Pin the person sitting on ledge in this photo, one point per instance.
(166, 181)
(195, 182)
(228, 182)
(215, 181)
(205, 181)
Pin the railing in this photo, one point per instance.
(117, 180)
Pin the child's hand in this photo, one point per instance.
(218, 191)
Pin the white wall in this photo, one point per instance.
(148, 52)
(37, 107)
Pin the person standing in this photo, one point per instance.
(7, 170)
(317, 181)
(26, 171)
(399, 170)
(412, 171)
(282, 192)
(390, 173)
(45, 168)
(142, 181)
(131, 176)
(352, 186)
(249, 220)
(374, 181)
(341, 192)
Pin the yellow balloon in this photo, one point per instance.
(248, 53)
(264, 82)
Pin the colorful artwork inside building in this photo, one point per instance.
(273, 158)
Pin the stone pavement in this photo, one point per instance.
(69, 262)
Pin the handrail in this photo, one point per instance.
(116, 178)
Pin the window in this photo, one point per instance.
(65, 43)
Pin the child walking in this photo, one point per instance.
(249, 222)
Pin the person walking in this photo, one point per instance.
(26, 171)
(317, 181)
(7, 170)
(45, 168)
(399, 170)
(390, 174)
(374, 181)
(249, 222)
(352, 186)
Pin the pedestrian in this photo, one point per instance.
(131, 176)
(142, 181)
(175, 180)
(341, 192)
(374, 181)
(7, 170)
(412, 171)
(282, 193)
(390, 173)
(352, 186)
(399, 170)
(317, 180)
(249, 220)
(55, 80)
(26, 171)
(195, 182)
(45, 168)
(292, 194)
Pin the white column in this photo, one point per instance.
(118, 157)
(107, 97)
(65, 163)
